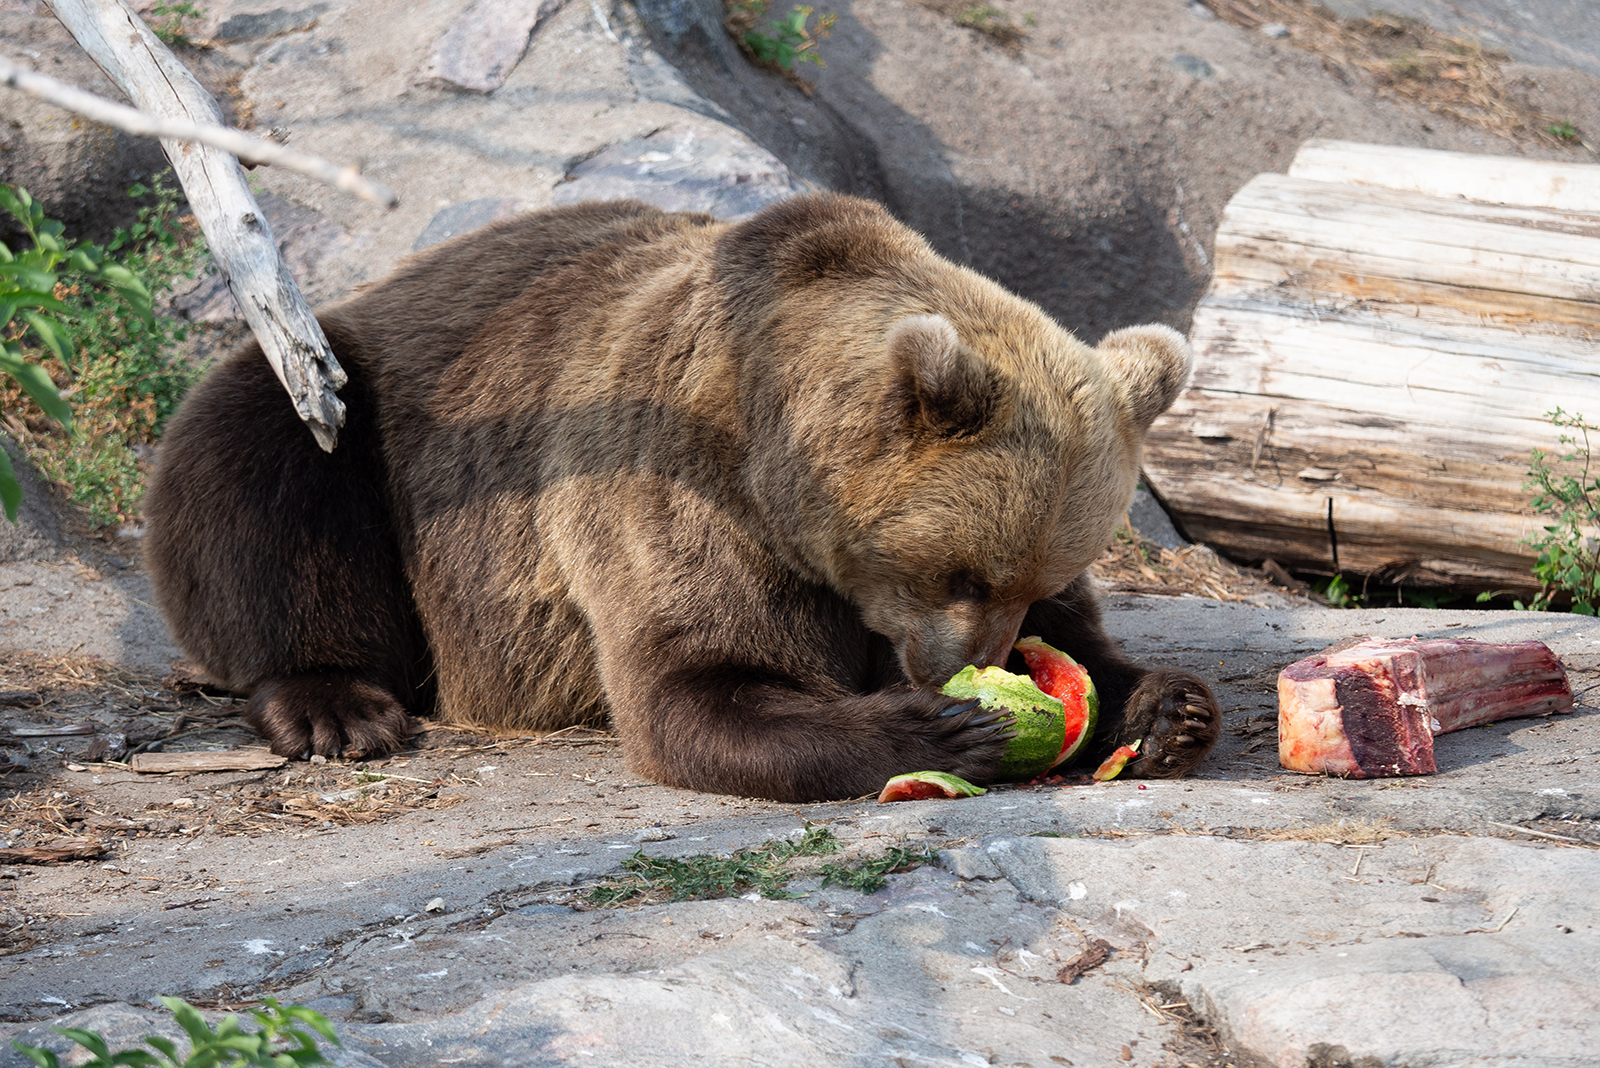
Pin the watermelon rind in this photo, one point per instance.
(952, 785)
(1091, 696)
(1040, 720)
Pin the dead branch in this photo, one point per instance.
(248, 149)
(237, 232)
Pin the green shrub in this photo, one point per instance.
(282, 1041)
(117, 361)
(1568, 562)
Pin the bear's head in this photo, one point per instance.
(931, 446)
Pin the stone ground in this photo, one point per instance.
(437, 905)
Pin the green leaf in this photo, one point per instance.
(53, 335)
(32, 377)
(37, 1054)
(89, 1040)
(42, 301)
(12, 204)
(132, 289)
(168, 1048)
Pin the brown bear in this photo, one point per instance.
(750, 491)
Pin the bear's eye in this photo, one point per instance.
(965, 586)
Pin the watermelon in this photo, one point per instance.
(1063, 678)
(919, 785)
(1116, 762)
(1038, 718)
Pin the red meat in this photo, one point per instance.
(1371, 709)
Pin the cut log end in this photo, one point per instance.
(1372, 709)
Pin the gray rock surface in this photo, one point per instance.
(683, 169)
(1152, 520)
(1407, 952)
(483, 45)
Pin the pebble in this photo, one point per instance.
(1275, 30)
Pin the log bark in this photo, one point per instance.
(236, 230)
(229, 760)
(1380, 361)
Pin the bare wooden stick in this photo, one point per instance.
(247, 148)
(241, 241)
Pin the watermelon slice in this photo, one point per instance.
(920, 785)
(1063, 678)
(1116, 762)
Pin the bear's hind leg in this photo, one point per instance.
(278, 568)
(1172, 713)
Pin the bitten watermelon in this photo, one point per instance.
(920, 785)
(1113, 765)
(1054, 713)
(1063, 678)
(1038, 719)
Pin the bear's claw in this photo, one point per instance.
(1178, 720)
(327, 715)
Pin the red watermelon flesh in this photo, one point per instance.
(1063, 678)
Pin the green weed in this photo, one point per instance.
(783, 43)
(991, 21)
(870, 876)
(282, 1042)
(1568, 562)
(1562, 131)
(170, 23)
(1337, 592)
(37, 287)
(120, 366)
(762, 869)
(765, 870)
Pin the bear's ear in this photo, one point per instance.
(1153, 364)
(946, 390)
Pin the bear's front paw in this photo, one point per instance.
(1178, 720)
(957, 736)
(327, 715)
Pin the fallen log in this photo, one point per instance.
(1372, 709)
(1385, 334)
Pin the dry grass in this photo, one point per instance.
(991, 21)
(1345, 832)
(15, 934)
(1135, 565)
(1452, 75)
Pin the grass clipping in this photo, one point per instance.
(765, 870)
(1453, 75)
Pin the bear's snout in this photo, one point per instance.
(949, 641)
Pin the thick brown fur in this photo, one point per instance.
(751, 490)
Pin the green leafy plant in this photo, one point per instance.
(170, 23)
(1570, 496)
(34, 316)
(762, 869)
(783, 43)
(1562, 131)
(283, 1041)
(1336, 591)
(871, 876)
(119, 361)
